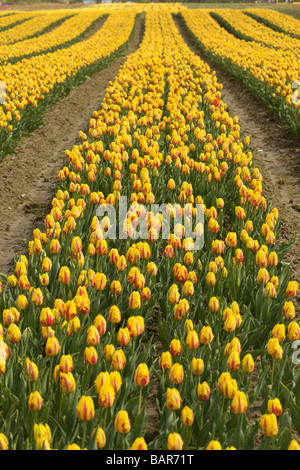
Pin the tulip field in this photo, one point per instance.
(187, 297)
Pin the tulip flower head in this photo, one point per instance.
(174, 442)
(268, 424)
(85, 408)
(122, 422)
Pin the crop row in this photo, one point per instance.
(35, 83)
(271, 72)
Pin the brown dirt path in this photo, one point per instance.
(276, 152)
(28, 177)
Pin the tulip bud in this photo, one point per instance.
(114, 314)
(90, 355)
(134, 300)
(47, 332)
(174, 294)
(64, 275)
(142, 375)
(99, 282)
(268, 425)
(274, 348)
(278, 332)
(67, 382)
(108, 351)
(248, 363)
(122, 422)
(192, 340)
(231, 239)
(22, 302)
(100, 324)
(203, 391)
(69, 310)
(197, 366)
(263, 276)
(188, 325)
(47, 317)
(3, 442)
(233, 361)
(181, 309)
(7, 316)
(115, 287)
(106, 396)
(214, 445)
(213, 304)
(223, 377)
(101, 247)
(188, 288)
(261, 258)
(42, 435)
(230, 323)
(293, 331)
(206, 335)
(274, 406)
(174, 442)
(102, 378)
(93, 336)
(52, 347)
(188, 258)
(173, 399)
(118, 360)
(239, 404)
(293, 445)
(100, 438)
(165, 361)
(292, 289)
(175, 347)
(270, 290)
(24, 283)
(85, 408)
(139, 444)
(134, 326)
(115, 380)
(289, 310)
(66, 363)
(187, 416)
(176, 373)
(13, 333)
(272, 259)
(121, 263)
(35, 401)
(123, 336)
(229, 387)
(12, 281)
(31, 370)
(152, 268)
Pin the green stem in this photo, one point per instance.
(140, 400)
(84, 435)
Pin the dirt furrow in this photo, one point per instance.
(28, 176)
